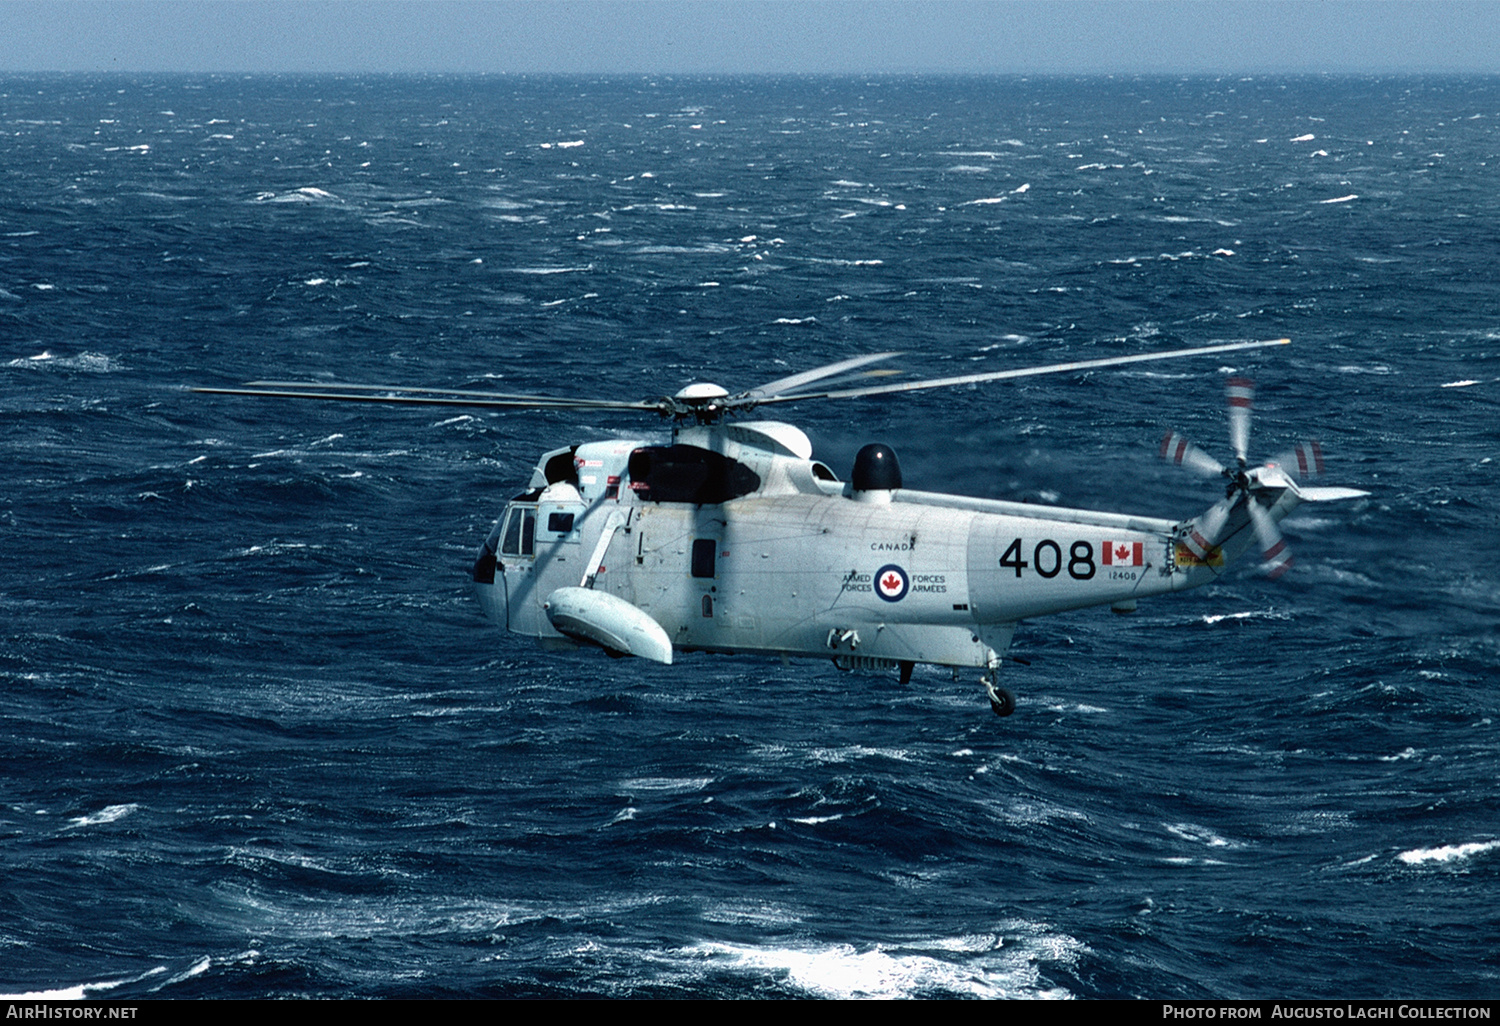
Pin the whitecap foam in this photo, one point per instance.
(306, 194)
(108, 814)
(665, 785)
(757, 915)
(973, 965)
(842, 972)
(858, 752)
(1198, 835)
(1447, 853)
(1341, 199)
(1023, 812)
(1263, 614)
(81, 991)
(94, 363)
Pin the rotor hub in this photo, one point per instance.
(700, 393)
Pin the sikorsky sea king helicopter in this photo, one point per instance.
(733, 539)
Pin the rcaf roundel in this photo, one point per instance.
(891, 583)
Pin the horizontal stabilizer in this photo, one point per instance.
(1329, 494)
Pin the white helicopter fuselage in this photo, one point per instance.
(608, 548)
(732, 538)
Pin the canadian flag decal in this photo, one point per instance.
(1122, 553)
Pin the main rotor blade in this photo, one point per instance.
(348, 386)
(787, 384)
(450, 399)
(1024, 372)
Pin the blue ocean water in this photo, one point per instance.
(257, 740)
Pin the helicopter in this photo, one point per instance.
(731, 538)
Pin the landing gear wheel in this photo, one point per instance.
(1001, 700)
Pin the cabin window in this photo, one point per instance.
(704, 550)
(686, 473)
(708, 605)
(559, 523)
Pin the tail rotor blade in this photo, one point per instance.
(1178, 450)
(1241, 393)
(1204, 534)
(1273, 550)
(1304, 461)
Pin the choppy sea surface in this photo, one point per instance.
(257, 740)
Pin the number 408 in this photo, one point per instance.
(1047, 559)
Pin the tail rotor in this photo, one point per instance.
(1256, 489)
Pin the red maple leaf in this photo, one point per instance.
(890, 582)
(1121, 554)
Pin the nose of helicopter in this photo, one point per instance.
(489, 587)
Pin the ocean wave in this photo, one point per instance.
(108, 814)
(92, 363)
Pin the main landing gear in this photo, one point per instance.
(1001, 700)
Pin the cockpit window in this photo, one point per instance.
(686, 473)
(520, 532)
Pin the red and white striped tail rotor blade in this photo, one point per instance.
(1241, 394)
(1273, 549)
(1203, 536)
(1304, 461)
(1178, 450)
